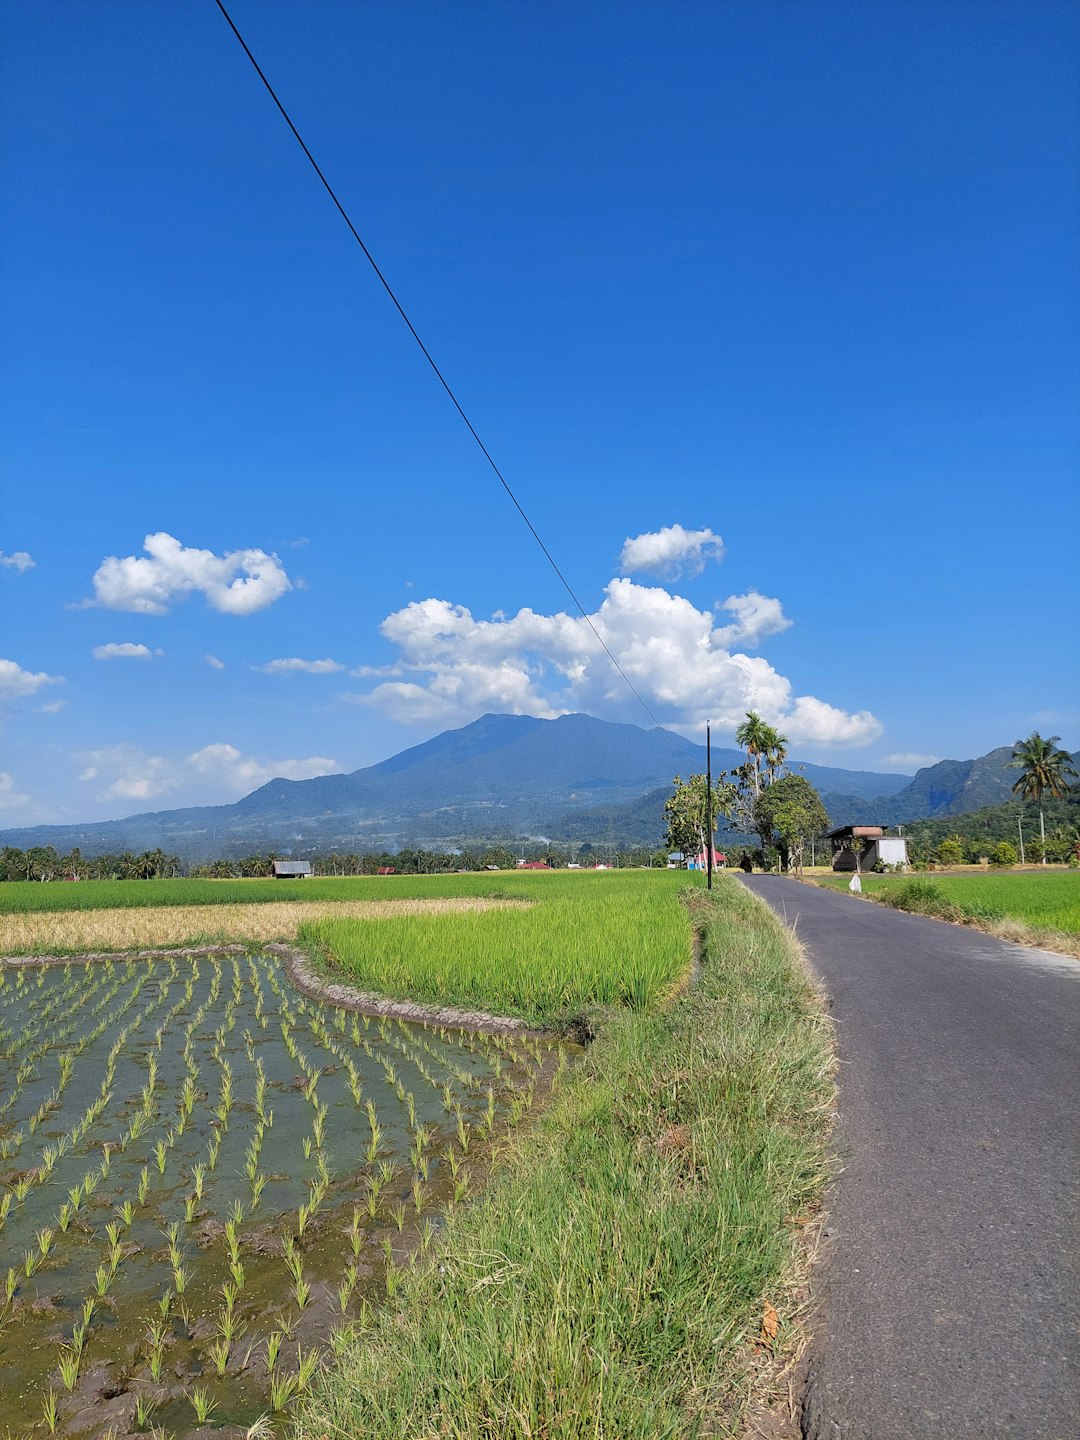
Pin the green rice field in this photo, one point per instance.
(1046, 901)
(617, 938)
(204, 1177)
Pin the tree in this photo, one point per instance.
(1045, 770)
(754, 735)
(951, 851)
(684, 811)
(786, 814)
(775, 754)
(1003, 853)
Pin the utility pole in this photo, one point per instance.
(708, 804)
(1020, 827)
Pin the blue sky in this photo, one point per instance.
(783, 294)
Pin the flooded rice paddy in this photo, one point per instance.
(205, 1176)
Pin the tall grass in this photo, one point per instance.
(609, 1280)
(621, 942)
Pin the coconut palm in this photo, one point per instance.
(754, 736)
(1045, 770)
(775, 754)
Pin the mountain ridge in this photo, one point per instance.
(499, 777)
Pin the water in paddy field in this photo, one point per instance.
(204, 1175)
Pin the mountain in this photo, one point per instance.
(503, 776)
(949, 788)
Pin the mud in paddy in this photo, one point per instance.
(205, 1174)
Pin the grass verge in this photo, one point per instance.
(1009, 907)
(609, 1280)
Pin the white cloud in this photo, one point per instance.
(126, 772)
(15, 681)
(756, 617)
(19, 561)
(675, 655)
(670, 553)
(215, 663)
(124, 650)
(311, 667)
(11, 801)
(227, 766)
(53, 708)
(909, 760)
(238, 583)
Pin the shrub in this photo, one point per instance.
(1003, 854)
(950, 852)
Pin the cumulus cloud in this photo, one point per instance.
(310, 667)
(756, 617)
(670, 553)
(19, 561)
(16, 682)
(238, 583)
(126, 772)
(215, 663)
(909, 760)
(674, 654)
(124, 650)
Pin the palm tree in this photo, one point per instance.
(754, 736)
(775, 753)
(1044, 770)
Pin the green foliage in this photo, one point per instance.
(1003, 853)
(685, 812)
(1045, 768)
(951, 851)
(787, 813)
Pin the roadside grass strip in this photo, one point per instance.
(1028, 907)
(612, 1275)
(612, 939)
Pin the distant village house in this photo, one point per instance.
(889, 849)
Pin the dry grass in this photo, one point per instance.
(149, 928)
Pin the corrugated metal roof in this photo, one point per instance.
(292, 867)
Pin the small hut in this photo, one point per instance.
(292, 869)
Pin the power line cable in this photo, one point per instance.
(442, 379)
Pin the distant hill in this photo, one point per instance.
(937, 792)
(571, 779)
(500, 777)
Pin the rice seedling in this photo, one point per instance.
(282, 1390)
(307, 1365)
(219, 1352)
(144, 1412)
(201, 1403)
(50, 1411)
(68, 1361)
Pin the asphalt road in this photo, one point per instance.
(951, 1285)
